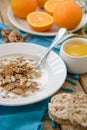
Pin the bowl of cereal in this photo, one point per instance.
(21, 82)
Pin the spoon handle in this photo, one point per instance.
(61, 32)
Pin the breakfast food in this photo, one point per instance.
(17, 76)
(69, 109)
(40, 21)
(11, 35)
(68, 14)
(61, 10)
(21, 8)
(76, 48)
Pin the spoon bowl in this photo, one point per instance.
(60, 34)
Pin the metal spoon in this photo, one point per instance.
(61, 32)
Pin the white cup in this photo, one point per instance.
(76, 65)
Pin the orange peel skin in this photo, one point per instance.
(68, 15)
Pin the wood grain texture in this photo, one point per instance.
(4, 4)
(47, 125)
(83, 81)
(0, 17)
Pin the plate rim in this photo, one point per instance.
(14, 102)
(9, 11)
(31, 32)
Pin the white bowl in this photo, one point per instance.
(76, 65)
(53, 72)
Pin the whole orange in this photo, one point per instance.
(22, 8)
(41, 3)
(68, 14)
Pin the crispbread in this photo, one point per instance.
(72, 127)
(69, 109)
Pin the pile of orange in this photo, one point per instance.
(64, 13)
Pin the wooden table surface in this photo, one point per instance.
(81, 85)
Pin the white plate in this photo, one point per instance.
(55, 72)
(23, 25)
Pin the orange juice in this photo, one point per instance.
(76, 48)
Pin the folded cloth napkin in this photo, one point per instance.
(23, 117)
(43, 41)
(26, 117)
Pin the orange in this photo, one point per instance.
(41, 3)
(40, 21)
(68, 14)
(50, 5)
(22, 8)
